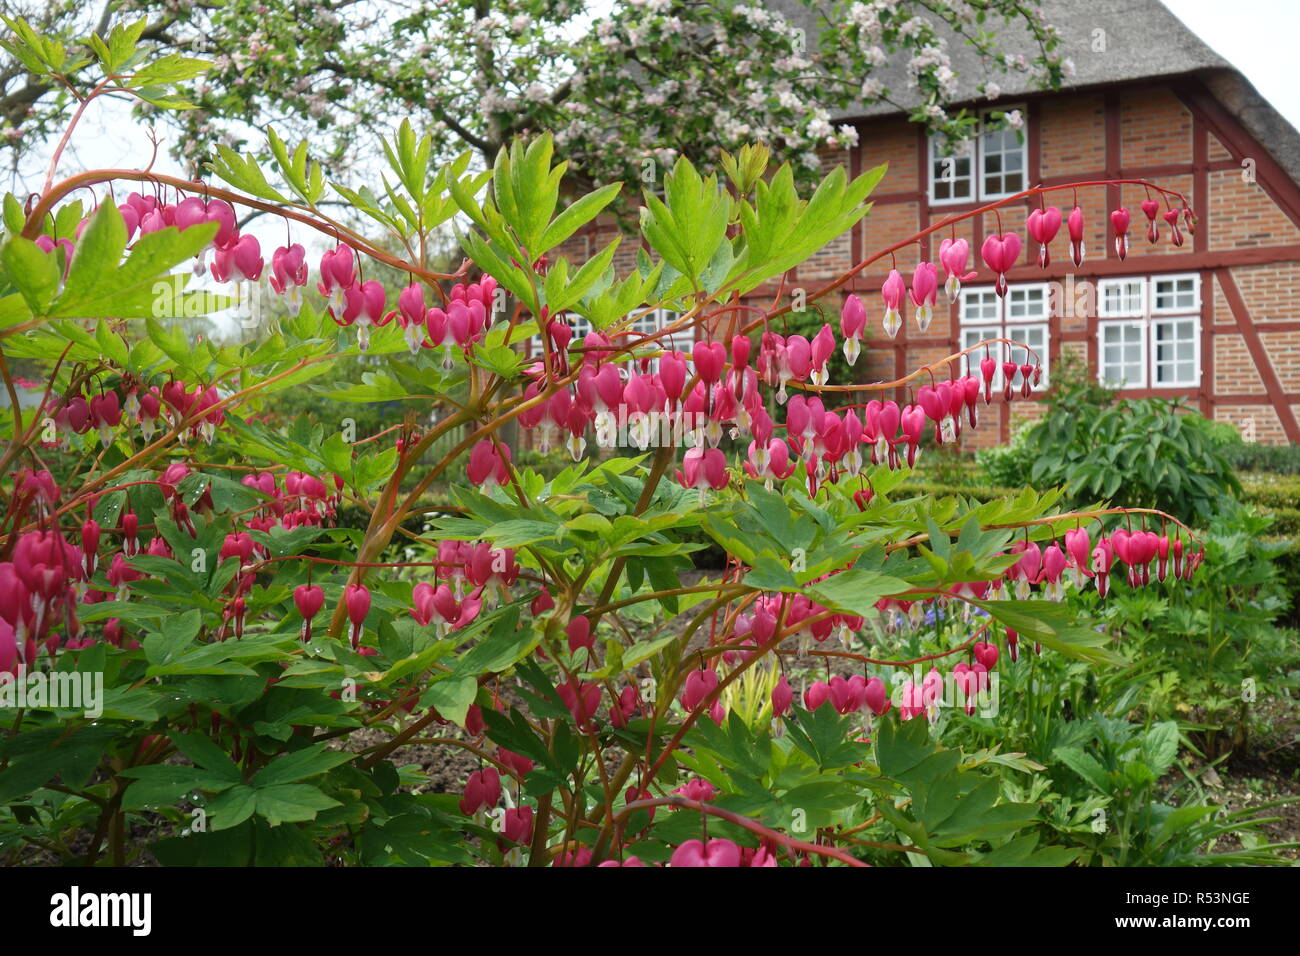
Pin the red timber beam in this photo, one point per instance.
(1250, 335)
(1270, 176)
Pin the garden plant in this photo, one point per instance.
(870, 676)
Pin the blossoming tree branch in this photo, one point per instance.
(641, 83)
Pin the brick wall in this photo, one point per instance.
(1155, 128)
(1259, 421)
(1072, 131)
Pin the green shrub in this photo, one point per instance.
(1148, 453)
(1008, 465)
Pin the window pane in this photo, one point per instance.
(1025, 303)
(1123, 297)
(951, 175)
(1002, 162)
(1175, 295)
(1175, 361)
(1121, 353)
(979, 305)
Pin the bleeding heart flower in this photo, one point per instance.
(482, 791)
(1151, 209)
(697, 789)
(1075, 227)
(308, 598)
(357, 599)
(782, 697)
(517, 825)
(1175, 234)
(242, 257)
(703, 469)
(986, 654)
(1078, 545)
(822, 348)
(853, 322)
(1102, 558)
(954, 254)
(709, 358)
(1000, 254)
(876, 696)
(623, 709)
(672, 376)
(718, 853)
(364, 307)
(486, 466)
(970, 681)
(542, 603)
(289, 273)
(892, 292)
(1120, 221)
(817, 693)
(579, 632)
(338, 273)
(699, 685)
(1043, 225)
(848, 696)
(925, 286)
(582, 699)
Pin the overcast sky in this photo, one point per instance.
(1258, 37)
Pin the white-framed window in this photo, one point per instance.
(1171, 295)
(1122, 297)
(1023, 316)
(951, 175)
(1122, 353)
(990, 165)
(1159, 346)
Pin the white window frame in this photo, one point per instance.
(935, 158)
(1143, 361)
(1138, 312)
(1192, 277)
(1163, 320)
(976, 153)
(1004, 326)
(1151, 318)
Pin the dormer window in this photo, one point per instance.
(992, 165)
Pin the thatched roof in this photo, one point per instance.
(1143, 41)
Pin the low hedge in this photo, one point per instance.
(1249, 456)
(1271, 491)
(1288, 565)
